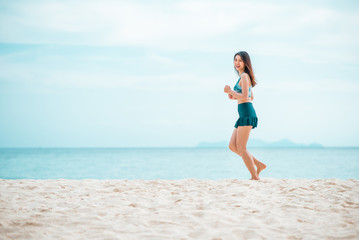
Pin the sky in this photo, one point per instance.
(151, 73)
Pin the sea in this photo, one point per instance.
(175, 163)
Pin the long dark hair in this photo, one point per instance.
(247, 66)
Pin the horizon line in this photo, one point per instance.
(180, 147)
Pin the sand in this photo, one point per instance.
(179, 209)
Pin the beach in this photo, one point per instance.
(179, 209)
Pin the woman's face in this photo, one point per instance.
(238, 63)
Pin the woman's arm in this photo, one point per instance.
(245, 89)
(236, 94)
(230, 96)
(252, 95)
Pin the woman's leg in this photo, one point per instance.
(233, 147)
(260, 166)
(241, 142)
(233, 142)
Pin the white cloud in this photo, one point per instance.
(287, 29)
(126, 22)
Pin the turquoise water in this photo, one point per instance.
(175, 163)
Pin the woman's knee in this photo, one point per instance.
(241, 151)
(233, 147)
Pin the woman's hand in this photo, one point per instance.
(227, 89)
(230, 96)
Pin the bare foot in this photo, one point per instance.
(261, 167)
(255, 178)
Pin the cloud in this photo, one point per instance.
(289, 29)
(126, 23)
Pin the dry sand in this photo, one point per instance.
(179, 209)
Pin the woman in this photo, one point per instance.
(247, 120)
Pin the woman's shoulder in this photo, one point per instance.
(245, 76)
